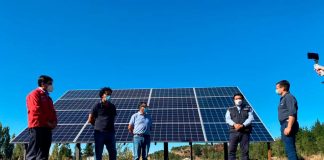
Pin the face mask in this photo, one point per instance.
(50, 88)
(108, 98)
(238, 102)
(146, 110)
(277, 92)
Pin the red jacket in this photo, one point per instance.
(41, 112)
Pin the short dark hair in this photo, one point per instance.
(104, 90)
(238, 94)
(140, 104)
(43, 79)
(285, 84)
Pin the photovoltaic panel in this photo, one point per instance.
(122, 134)
(218, 115)
(216, 132)
(160, 133)
(23, 137)
(76, 104)
(89, 94)
(168, 103)
(217, 91)
(61, 134)
(72, 117)
(213, 115)
(81, 94)
(128, 103)
(256, 117)
(177, 133)
(131, 93)
(88, 104)
(86, 135)
(175, 115)
(123, 116)
(65, 133)
(219, 132)
(173, 92)
(260, 133)
(215, 102)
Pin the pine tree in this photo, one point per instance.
(65, 151)
(318, 132)
(197, 150)
(6, 146)
(18, 151)
(1, 142)
(123, 152)
(55, 152)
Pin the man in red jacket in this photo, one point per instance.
(41, 119)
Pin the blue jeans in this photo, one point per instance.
(107, 139)
(290, 140)
(141, 146)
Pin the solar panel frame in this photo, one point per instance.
(183, 103)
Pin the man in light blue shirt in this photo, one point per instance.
(140, 126)
(239, 118)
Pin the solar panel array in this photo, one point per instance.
(178, 114)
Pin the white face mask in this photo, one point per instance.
(50, 88)
(238, 102)
(277, 92)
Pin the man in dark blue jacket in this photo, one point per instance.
(287, 115)
(239, 117)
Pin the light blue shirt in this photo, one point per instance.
(247, 122)
(142, 123)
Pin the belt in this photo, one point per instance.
(141, 135)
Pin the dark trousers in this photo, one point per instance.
(290, 140)
(107, 139)
(40, 140)
(239, 137)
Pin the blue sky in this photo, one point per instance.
(162, 44)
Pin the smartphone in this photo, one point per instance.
(313, 56)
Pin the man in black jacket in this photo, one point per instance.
(102, 116)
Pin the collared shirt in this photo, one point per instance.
(142, 123)
(287, 107)
(247, 122)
